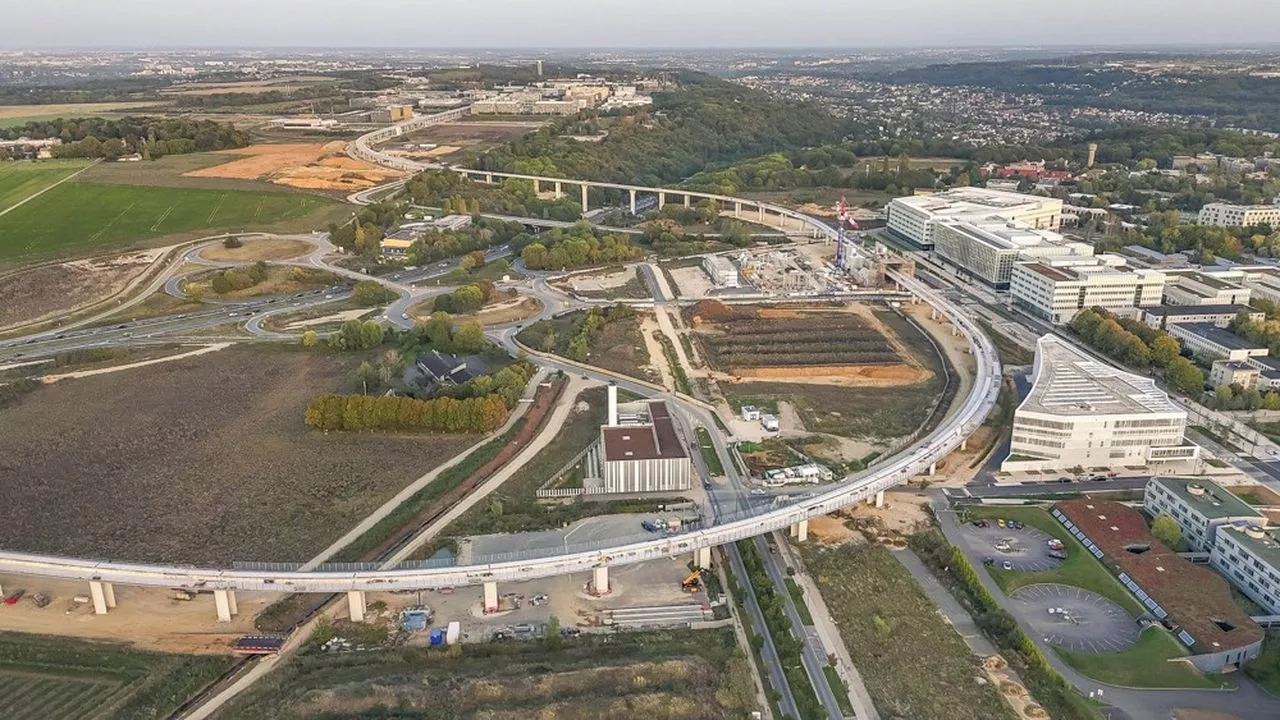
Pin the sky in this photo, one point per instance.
(432, 24)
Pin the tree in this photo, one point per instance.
(310, 338)
(367, 374)
(1166, 530)
(1164, 349)
(553, 638)
(367, 293)
(1184, 376)
(469, 338)
(231, 242)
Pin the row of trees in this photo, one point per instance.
(149, 136)
(1137, 344)
(1237, 397)
(392, 412)
(579, 246)
(466, 299)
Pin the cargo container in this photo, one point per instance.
(454, 634)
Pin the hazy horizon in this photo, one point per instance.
(658, 25)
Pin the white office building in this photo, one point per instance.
(1200, 507)
(1058, 292)
(1228, 215)
(988, 248)
(1081, 412)
(1208, 341)
(1248, 554)
(1197, 288)
(913, 218)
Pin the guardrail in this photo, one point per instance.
(530, 564)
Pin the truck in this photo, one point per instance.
(454, 634)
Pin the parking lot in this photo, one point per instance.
(1076, 619)
(1025, 549)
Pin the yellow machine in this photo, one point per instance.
(692, 583)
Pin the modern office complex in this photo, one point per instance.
(913, 218)
(1162, 316)
(1200, 507)
(987, 249)
(1084, 413)
(1058, 292)
(1228, 215)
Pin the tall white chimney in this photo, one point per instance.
(613, 405)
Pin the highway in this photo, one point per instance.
(737, 523)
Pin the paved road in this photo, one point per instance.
(813, 655)
(773, 665)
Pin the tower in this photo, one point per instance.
(1093, 154)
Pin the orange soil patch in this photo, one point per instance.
(859, 375)
(830, 530)
(312, 166)
(776, 313)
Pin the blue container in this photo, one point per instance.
(437, 636)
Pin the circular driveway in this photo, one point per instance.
(1025, 548)
(1082, 621)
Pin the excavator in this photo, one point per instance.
(692, 584)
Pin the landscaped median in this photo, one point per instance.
(1154, 662)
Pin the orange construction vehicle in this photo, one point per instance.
(693, 583)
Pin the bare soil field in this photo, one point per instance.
(282, 84)
(46, 291)
(312, 166)
(472, 135)
(255, 250)
(211, 463)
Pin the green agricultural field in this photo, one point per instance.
(77, 217)
(52, 677)
(21, 180)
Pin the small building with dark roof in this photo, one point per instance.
(448, 368)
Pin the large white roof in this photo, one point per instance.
(1069, 382)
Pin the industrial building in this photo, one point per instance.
(1081, 412)
(1211, 342)
(1228, 215)
(988, 248)
(1058, 292)
(643, 456)
(914, 218)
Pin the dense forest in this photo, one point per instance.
(151, 137)
(701, 122)
(1232, 99)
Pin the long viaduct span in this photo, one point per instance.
(866, 485)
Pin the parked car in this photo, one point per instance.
(1057, 555)
(1006, 565)
(648, 525)
(1000, 522)
(1016, 524)
(988, 561)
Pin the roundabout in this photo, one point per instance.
(735, 521)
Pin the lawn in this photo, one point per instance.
(1265, 669)
(616, 345)
(679, 675)
(709, 454)
(856, 412)
(1151, 663)
(202, 460)
(280, 280)
(914, 664)
(19, 180)
(1146, 664)
(55, 677)
(1080, 568)
(80, 217)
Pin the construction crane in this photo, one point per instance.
(692, 583)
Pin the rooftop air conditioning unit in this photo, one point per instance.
(1195, 489)
(1256, 532)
